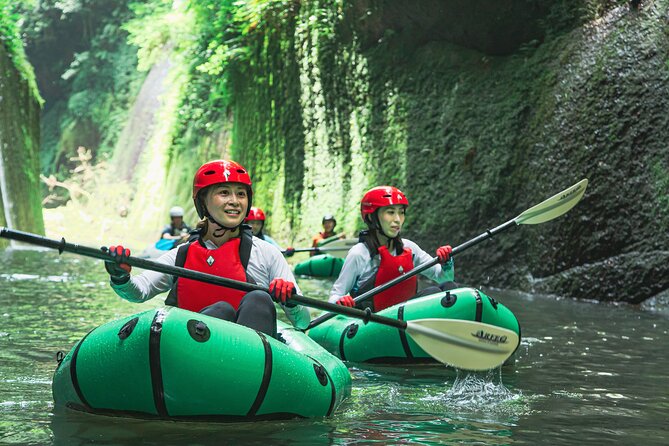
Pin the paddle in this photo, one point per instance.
(463, 344)
(330, 239)
(317, 249)
(338, 245)
(545, 211)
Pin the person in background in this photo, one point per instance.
(222, 195)
(177, 230)
(256, 220)
(329, 222)
(382, 255)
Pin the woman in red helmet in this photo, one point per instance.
(222, 195)
(256, 219)
(383, 255)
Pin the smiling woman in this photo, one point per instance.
(224, 189)
(222, 195)
(227, 206)
(391, 219)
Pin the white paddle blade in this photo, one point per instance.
(465, 345)
(555, 206)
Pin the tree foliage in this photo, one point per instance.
(86, 71)
(10, 36)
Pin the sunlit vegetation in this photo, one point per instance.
(10, 36)
(321, 99)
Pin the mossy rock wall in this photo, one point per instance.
(341, 96)
(19, 149)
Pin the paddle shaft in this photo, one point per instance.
(102, 254)
(332, 238)
(323, 245)
(420, 268)
(319, 249)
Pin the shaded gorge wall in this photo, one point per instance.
(475, 126)
(19, 149)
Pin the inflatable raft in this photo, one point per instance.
(352, 340)
(329, 263)
(322, 265)
(174, 364)
(157, 249)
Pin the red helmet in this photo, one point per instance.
(381, 196)
(219, 171)
(255, 214)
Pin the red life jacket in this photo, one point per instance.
(229, 261)
(390, 268)
(320, 237)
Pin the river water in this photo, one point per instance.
(586, 373)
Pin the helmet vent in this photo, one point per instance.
(241, 171)
(210, 172)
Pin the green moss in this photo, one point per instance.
(10, 37)
(660, 170)
(331, 98)
(19, 147)
(321, 100)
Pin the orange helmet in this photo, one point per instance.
(219, 171)
(381, 196)
(255, 214)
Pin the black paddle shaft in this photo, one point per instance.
(103, 254)
(317, 249)
(420, 268)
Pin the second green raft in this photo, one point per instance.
(352, 340)
(321, 265)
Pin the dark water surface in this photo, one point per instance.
(585, 373)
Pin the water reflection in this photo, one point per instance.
(584, 373)
(69, 427)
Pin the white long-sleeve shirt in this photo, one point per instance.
(360, 267)
(265, 263)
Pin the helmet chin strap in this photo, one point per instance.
(219, 232)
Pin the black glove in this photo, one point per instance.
(289, 252)
(119, 272)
